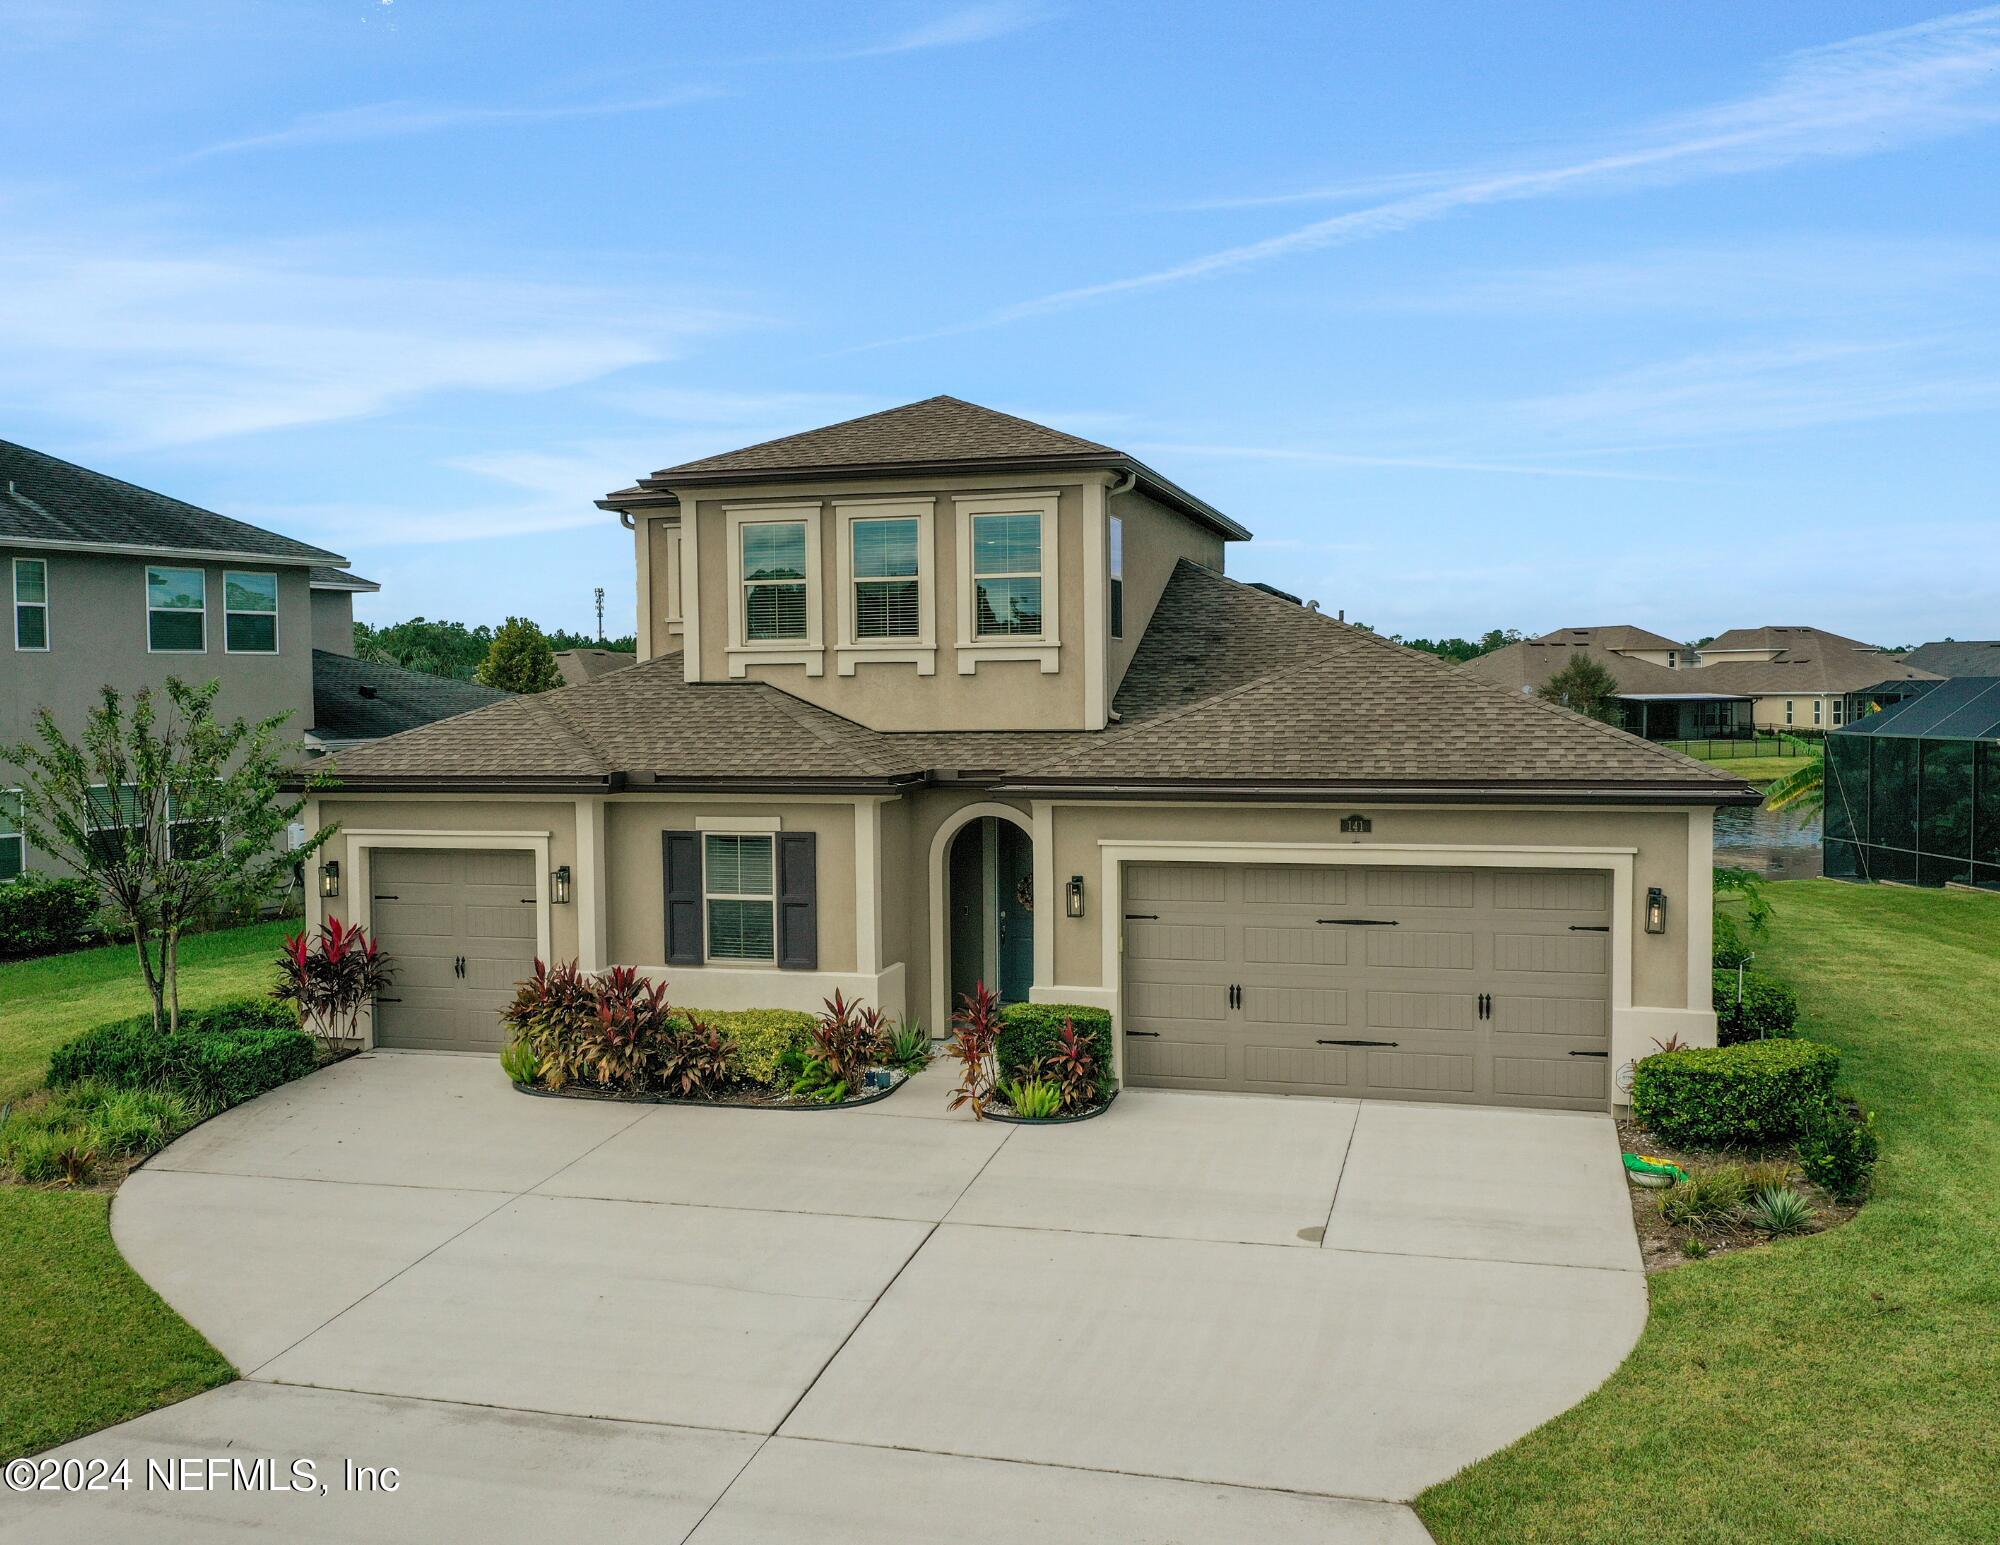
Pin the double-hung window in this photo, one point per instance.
(1819, 708)
(176, 611)
(31, 603)
(774, 580)
(888, 600)
(740, 897)
(1007, 576)
(13, 846)
(1117, 577)
(249, 612)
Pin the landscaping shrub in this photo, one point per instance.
(44, 916)
(1723, 1096)
(975, 1036)
(1779, 1210)
(1032, 1098)
(220, 1056)
(1031, 1037)
(1838, 1149)
(761, 1038)
(695, 1059)
(1710, 1196)
(1768, 1009)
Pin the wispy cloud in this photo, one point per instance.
(397, 120)
(955, 29)
(167, 343)
(1859, 97)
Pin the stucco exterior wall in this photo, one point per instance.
(97, 636)
(999, 694)
(333, 621)
(1769, 712)
(1156, 538)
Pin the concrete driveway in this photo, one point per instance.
(1201, 1317)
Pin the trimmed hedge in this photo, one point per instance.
(1029, 1031)
(223, 1055)
(762, 1037)
(1768, 1009)
(1726, 1096)
(44, 916)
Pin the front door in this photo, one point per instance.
(990, 872)
(1014, 886)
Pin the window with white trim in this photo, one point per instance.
(774, 580)
(888, 594)
(1007, 576)
(176, 611)
(249, 612)
(1838, 704)
(1788, 710)
(13, 845)
(1819, 707)
(112, 817)
(31, 603)
(1117, 543)
(739, 897)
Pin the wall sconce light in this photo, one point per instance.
(1656, 910)
(329, 878)
(1073, 896)
(559, 886)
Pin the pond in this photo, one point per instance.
(1780, 846)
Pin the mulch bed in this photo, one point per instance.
(1661, 1244)
(738, 1097)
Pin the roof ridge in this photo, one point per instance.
(568, 722)
(808, 717)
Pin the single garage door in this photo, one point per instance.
(1486, 986)
(458, 925)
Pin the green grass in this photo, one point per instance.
(45, 1002)
(1760, 769)
(1842, 1387)
(1742, 750)
(84, 1342)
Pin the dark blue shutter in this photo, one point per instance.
(681, 858)
(798, 902)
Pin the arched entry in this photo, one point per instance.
(983, 917)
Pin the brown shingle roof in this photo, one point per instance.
(1532, 662)
(1240, 688)
(1616, 636)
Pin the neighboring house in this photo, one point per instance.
(1957, 657)
(1655, 699)
(580, 665)
(356, 701)
(940, 696)
(111, 584)
(1804, 680)
(1913, 792)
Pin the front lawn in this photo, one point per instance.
(84, 1342)
(1841, 1387)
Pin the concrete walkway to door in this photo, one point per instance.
(1198, 1317)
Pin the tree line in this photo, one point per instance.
(517, 656)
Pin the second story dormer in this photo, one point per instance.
(938, 566)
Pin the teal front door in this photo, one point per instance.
(1014, 883)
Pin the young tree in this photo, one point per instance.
(1584, 686)
(175, 817)
(520, 659)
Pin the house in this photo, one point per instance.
(1806, 679)
(109, 583)
(940, 696)
(1913, 792)
(1957, 657)
(1657, 696)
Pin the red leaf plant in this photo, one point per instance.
(330, 976)
(849, 1039)
(1074, 1067)
(975, 1030)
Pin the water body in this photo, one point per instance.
(1782, 845)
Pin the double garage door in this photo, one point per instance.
(1482, 986)
(458, 925)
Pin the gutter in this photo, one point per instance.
(1400, 793)
(305, 559)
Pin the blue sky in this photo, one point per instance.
(1526, 314)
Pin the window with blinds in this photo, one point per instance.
(740, 897)
(774, 580)
(1007, 575)
(887, 594)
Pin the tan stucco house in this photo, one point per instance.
(939, 695)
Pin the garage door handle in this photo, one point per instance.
(388, 898)
(380, 999)
(1142, 917)
(1153, 1035)
(1362, 922)
(1358, 1043)
(1590, 928)
(1590, 1054)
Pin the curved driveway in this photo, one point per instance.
(1200, 1317)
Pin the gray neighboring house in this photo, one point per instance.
(1955, 657)
(110, 583)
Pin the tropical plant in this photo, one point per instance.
(849, 1039)
(975, 1028)
(812, 1077)
(910, 1047)
(330, 976)
(519, 1062)
(1838, 1149)
(625, 1041)
(1802, 789)
(1709, 1197)
(1694, 1247)
(1779, 1210)
(695, 1058)
(1033, 1099)
(549, 1013)
(174, 818)
(520, 659)
(1074, 1067)
(1585, 686)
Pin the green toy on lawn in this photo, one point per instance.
(1643, 1169)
